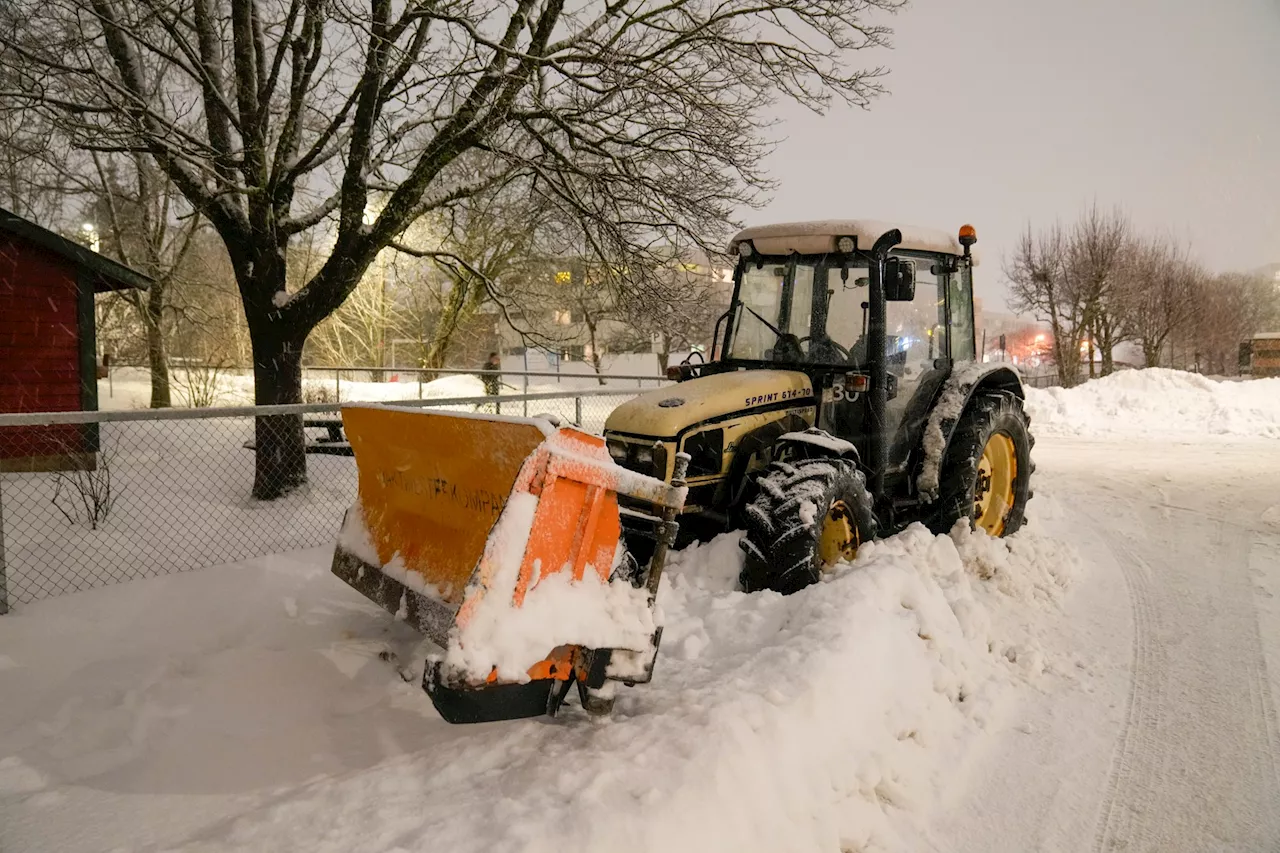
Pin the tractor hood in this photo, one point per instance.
(664, 412)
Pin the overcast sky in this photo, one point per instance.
(1002, 112)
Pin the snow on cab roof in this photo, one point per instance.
(817, 237)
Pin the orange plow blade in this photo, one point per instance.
(499, 538)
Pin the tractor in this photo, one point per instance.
(843, 401)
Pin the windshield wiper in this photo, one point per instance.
(772, 327)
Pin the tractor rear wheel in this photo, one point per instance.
(986, 473)
(808, 516)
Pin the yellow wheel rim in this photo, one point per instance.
(839, 539)
(993, 492)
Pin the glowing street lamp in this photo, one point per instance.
(91, 234)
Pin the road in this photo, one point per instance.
(1177, 635)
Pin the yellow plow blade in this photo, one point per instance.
(432, 485)
(425, 542)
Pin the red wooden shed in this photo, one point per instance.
(48, 346)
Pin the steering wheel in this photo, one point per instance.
(788, 349)
(826, 341)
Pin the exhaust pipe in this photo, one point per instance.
(878, 440)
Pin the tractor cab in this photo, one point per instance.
(803, 299)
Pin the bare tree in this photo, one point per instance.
(1158, 294)
(144, 223)
(484, 250)
(697, 296)
(1095, 254)
(359, 332)
(275, 116)
(31, 184)
(1230, 307)
(1040, 284)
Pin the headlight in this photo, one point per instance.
(618, 450)
(845, 245)
(644, 455)
(706, 452)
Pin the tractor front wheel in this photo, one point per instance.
(986, 473)
(808, 516)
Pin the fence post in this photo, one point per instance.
(4, 587)
(337, 385)
(577, 410)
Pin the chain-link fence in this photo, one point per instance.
(93, 498)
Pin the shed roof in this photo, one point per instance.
(106, 273)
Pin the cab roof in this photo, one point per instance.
(819, 236)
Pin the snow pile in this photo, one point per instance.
(838, 718)
(1158, 402)
(555, 611)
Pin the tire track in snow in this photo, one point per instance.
(1262, 687)
(1125, 791)
(1195, 766)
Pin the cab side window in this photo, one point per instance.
(960, 304)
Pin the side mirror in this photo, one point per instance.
(899, 280)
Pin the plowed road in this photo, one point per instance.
(1178, 625)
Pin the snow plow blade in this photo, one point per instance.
(486, 533)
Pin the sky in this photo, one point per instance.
(1008, 112)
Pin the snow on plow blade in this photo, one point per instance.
(499, 538)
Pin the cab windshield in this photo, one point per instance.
(807, 310)
(794, 310)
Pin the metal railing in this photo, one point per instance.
(94, 498)
(520, 378)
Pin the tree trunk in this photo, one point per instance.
(465, 298)
(1150, 352)
(280, 460)
(1091, 335)
(664, 352)
(595, 350)
(156, 356)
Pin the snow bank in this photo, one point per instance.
(1158, 402)
(839, 718)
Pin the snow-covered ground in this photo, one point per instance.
(1159, 403)
(1104, 680)
(130, 387)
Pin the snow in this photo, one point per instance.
(354, 536)
(130, 387)
(819, 236)
(1158, 402)
(1082, 683)
(949, 406)
(821, 439)
(837, 718)
(556, 610)
(280, 298)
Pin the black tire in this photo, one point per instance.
(988, 414)
(783, 535)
